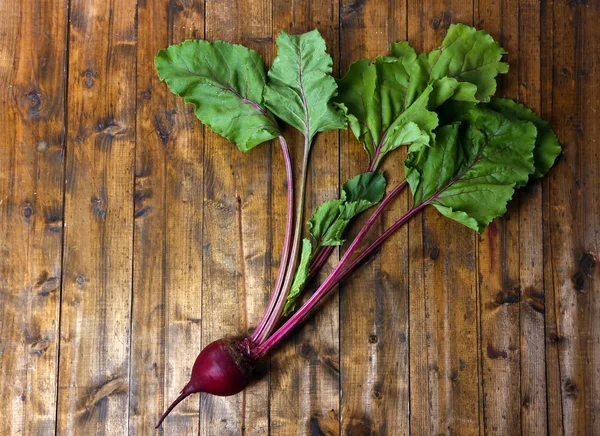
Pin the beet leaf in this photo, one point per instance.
(546, 148)
(386, 104)
(225, 82)
(301, 86)
(466, 63)
(471, 172)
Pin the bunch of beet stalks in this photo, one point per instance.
(467, 168)
(224, 367)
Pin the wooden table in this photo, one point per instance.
(130, 235)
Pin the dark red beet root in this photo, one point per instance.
(220, 369)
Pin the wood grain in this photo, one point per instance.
(32, 116)
(531, 274)
(573, 214)
(553, 340)
(98, 241)
(131, 236)
(168, 232)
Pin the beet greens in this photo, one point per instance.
(467, 152)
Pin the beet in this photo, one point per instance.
(221, 368)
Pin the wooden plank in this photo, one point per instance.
(573, 215)
(533, 371)
(32, 110)
(183, 232)
(498, 260)
(147, 396)
(553, 340)
(98, 240)
(166, 325)
(448, 282)
(304, 394)
(236, 232)
(374, 301)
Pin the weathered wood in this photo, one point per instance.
(374, 301)
(531, 273)
(98, 240)
(498, 262)
(574, 218)
(168, 232)
(236, 266)
(553, 378)
(449, 277)
(442, 332)
(183, 238)
(32, 110)
(304, 394)
(147, 396)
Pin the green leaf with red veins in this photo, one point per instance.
(471, 171)
(225, 82)
(387, 103)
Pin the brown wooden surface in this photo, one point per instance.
(130, 235)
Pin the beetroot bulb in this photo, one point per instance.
(222, 368)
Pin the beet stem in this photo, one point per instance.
(338, 272)
(275, 315)
(319, 261)
(323, 255)
(185, 392)
(287, 241)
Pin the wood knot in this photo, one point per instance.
(80, 280)
(307, 351)
(99, 206)
(508, 296)
(454, 375)
(142, 212)
(442, 21)
(557, 339)
(27, 210)
(494, 353)
(41, 146)
(434, 253)
(33, 100)
(536, 299)
(177, 6)
(39, 347)
(53, 217)
(570, 388)
(373, 339)
(573, 4)
(353, 7)
(579, 282)
(104, 390)
(587, 264)
(47, 287)
(109, 127)
(324, 425)
(164, 122)
(89, 77)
